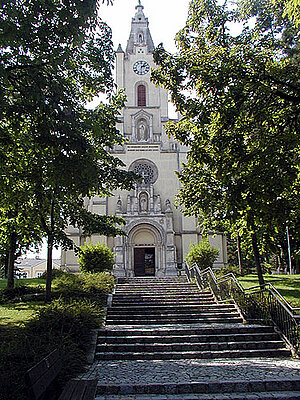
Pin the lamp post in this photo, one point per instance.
(289, 247)
(288, 239)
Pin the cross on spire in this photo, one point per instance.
(139, 5)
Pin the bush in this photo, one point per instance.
(61, 325)
(68, 284)
(95, 258)
(99, 282)
(55, 273)
(19, 292)
(85, 285)
(227, 269)
(8, 294)
(203, 254)
(75, 319)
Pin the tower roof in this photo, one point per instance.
(140, 33)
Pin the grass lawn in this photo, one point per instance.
(27, 282)
(287, 285)
(16, 313)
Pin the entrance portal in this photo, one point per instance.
(144, 261)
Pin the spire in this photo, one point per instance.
(119, 49)
(139, 5)
(140, 34)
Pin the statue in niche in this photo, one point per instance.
(119, 205)
(143, 202)
(157, 204)
(142, 131)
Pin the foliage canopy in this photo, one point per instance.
(239, 99)
(54, 57)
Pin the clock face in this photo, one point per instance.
(141, 67)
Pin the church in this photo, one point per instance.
(158, 235)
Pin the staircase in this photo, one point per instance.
(168, 322)
(153, 302)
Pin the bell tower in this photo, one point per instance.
(147, 105)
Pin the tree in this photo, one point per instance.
(19, 228)
(239, 97)
(55, 56)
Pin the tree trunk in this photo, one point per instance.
(239, 250)
(49, 267)
(11, 260)
(257, 260)
(297, 266)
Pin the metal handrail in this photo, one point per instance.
(263, 301)
(266, 286)
(232, 277)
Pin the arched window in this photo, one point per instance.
(141, 95)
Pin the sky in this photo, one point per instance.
(166, 18)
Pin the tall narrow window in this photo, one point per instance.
(141, 95)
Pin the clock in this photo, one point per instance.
(141, 67)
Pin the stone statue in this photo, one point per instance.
(157, 204)
(142, 132)
(168, 206)
(119, 205)
(143, 202)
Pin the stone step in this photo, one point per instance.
(188, 338)
(160, 315)
(240, 386)
(159, 300)
(178, 320)
(157, 284)
(163, 302)
(172, 355)
(149, 313)
(203, 387)
(184, 347)
(281, 395)
(160, 293)
(151, 288)
(147, 280)
(140, 309)
(162, 283)
(188, 331)
(123, 305)
(174, 296)
(164, 293)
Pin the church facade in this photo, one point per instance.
(157, 234)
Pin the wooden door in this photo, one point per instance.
(144, 261)
(139, 262)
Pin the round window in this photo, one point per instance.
(146, 169)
